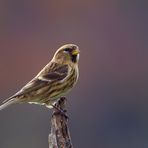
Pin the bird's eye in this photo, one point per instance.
(66, 49)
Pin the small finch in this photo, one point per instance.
(56, 79)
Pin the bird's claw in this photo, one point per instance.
(61, 112)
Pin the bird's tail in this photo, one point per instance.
(7, 103)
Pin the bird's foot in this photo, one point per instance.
(60, 111)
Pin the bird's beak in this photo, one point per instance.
(76, 52)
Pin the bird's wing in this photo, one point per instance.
(59, 73)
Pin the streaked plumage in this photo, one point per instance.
(52, 82)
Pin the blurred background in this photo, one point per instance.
(108, 108)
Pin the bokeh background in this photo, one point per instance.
(109, 106)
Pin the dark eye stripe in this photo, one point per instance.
(66, 49)
(69, 50)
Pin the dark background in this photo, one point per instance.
(109, 106)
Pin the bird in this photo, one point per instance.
(54, 81)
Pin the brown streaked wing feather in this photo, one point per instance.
(59, 73)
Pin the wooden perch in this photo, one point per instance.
(60, 135)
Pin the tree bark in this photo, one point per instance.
(60, 135)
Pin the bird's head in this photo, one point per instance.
(68, 53)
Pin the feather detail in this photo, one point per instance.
(8, 103)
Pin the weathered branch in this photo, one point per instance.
(60, 135)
